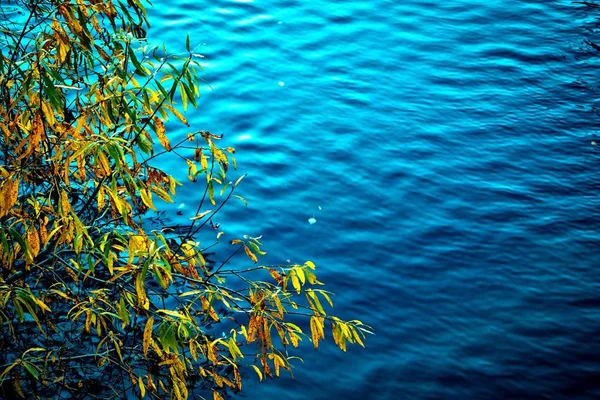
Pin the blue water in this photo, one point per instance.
(445, 150)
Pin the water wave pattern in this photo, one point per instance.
(445, 151)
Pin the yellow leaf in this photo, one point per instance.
(356, 336)
(142, 387)
(310, 264)
(103, 163)
(147, 335)
(260, 376)
(177, 114)
(174, 314)
(199, 216)
(316, 330)
(192, 169)
(251, 255)
(142, 299)
(234, 349)
(9, 193)
(300, 274)
(101, 198)
(65, 205)
(173, 184)
(203, 162)
(147, 199)
(37, 129)
(137, 243)
(48, 113)
(160, 133)
(193, 350)
(160, 192)
(294, 338)
(217, 396)
(42, 305)
(33, 240)
(295, 281)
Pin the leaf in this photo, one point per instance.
(192, 170)
(241, 199)
(295, 281)
(316, 330)
(276, 275)
(146, 196)
(174, 314)
(356, 335)
(300, 274)
(42, 305)
(234, 349)
(139, 69)
(51, 92)
(9, 193)
(256, 249)
(177, 114)
(237, 182)
(250, 254)
(314, 300)
(201, 215)
(142, 386)
(160, 133)
(211, 193)
(147, 335)
(260, 375)
(162, 194)
(217, 396)
(33, 240)
(142, 299)
(32, 370)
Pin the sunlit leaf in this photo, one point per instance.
(201, 215)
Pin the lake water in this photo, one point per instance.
(445, 151)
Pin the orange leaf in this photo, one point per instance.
(160, 133)
(250, 254)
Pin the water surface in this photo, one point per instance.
(445, 150)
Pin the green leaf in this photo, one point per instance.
(256, 249)
(139, 69)
(51, 92)
(17, 236)
(211, 193)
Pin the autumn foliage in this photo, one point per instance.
(96, 301)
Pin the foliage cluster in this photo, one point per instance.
(95, 302)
